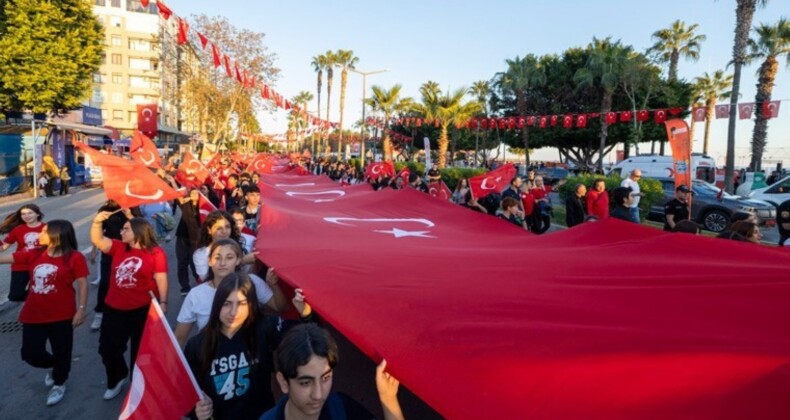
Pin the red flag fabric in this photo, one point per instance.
(521, 121)
(492, 181)
(530, 121)
(672, 332)
(376, 170)
(625, 116)
(745, 110)
(147, 119)
(553, 120)
(203, 40)
(567, 121)
(543, 121)
(127, 182)
(196, 173)
(143, 150)
(215, 53)
(771, 109)
(699, 113)
(227, 65)
(722, 111)
(164, 11)
(205, 207)
(183, 29)
(404, 173)
(660, 116)
(581, 121)
(215, 160)
(643, 115)
(611, 117)
(440, 190)
(676, 111)
(163, 386)
(260, 164)
(678, 134)
(144, 3)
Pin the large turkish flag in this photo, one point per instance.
(147, 119)
(492, 181)
(608, 319)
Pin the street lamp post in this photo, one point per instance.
(363, 129)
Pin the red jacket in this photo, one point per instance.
(598, 204)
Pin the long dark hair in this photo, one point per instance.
(224, 242)
(211, 332)
(15, 219)
(62, 239)
(213, 218)
(143, 233)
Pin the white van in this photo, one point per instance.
(656, 166)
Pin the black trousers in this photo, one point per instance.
(184, 251)
(64, 186)
(104, 282)
(34, 347)
(117, 329)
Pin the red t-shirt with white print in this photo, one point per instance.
(51, 296)
(132, 275)
(26, 239)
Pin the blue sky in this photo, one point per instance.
(458, 42)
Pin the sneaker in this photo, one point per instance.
(184, 291)
(56, 394)
(111, 393)
(3, 300)
(95, 282)
(48, 381)
(96, 324)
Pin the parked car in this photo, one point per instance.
(552, 176)
(711, 207)
(775, 194)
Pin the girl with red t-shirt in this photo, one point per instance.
(138, 268)
(49, 313)
(23, 228)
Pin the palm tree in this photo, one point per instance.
(604, 65)
(345, 60)
(319, 65)
(521, 75)
(303, 98)
(445, 109)
(744, 12)
(697, 99)
(675, 42)
(712, 88)
(481, 91)
(771, 43)
(385, 101)
(330, 75)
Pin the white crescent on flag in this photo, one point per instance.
(155, 196)
(136, 392)
(148, 115)
(376, 169)
(147, 162)
(339, 194)
(483, 184)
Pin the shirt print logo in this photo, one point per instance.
(44, 279)
(31, 240)
(125, 272)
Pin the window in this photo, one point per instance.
(133, 117)
(99, 78)
(139, 45)
(115, 21)
(115, 40)
(117, 98)
(105, 114)
(117, 78)
(117, 59)
(98, 96)
(117, 115)
(99, 2)
(139, 63)
(115, 3)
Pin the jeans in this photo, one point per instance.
(34, 347)
(635, 214)
(104, 282)
(119, 327)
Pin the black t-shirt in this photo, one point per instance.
(251, 219)
(337, 406)
(680, 209)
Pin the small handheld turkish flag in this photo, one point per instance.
(163, 386)
(143, 150)
(205, 207)
(440, 190)
(492, 181)
(193, 168)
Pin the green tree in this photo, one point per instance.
(639, 83)
(604, 67)
(772, 42)
(481, 91)
(744, 13)
(445, 110)
(712, 88)
(675, 42)
(523, 74)
(385, 101)
(346, 60)
(49, 51)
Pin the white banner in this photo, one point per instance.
(428, 164)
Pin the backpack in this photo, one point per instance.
(166, 220)
(491, 202)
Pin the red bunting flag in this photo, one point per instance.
(215, 53)
(147, 119)
(183, 30)
(521, 121)
(227, 66)
(164, 11)
(611, 117)
(745, 110)
(625, 116)
(265, 94)
(530, 121)
(643, 115)
(484, 123)
(543, 121)
(144, 3)
(492, 181)
(675, 111)
(143, 150)
(238, 74)
(163, 386)
(203, 40)
(128, 182)
(567, 121)
(722, 111)
(698, 113)
(553, 120)
(511, 123)
(660, 116)
(771, 109)
(581, 121)
(502, 123)
(440, 190)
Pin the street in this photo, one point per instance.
(25, 393)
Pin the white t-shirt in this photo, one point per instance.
(200, 260)
(197, 305)
(248, 241)
(634, 186)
